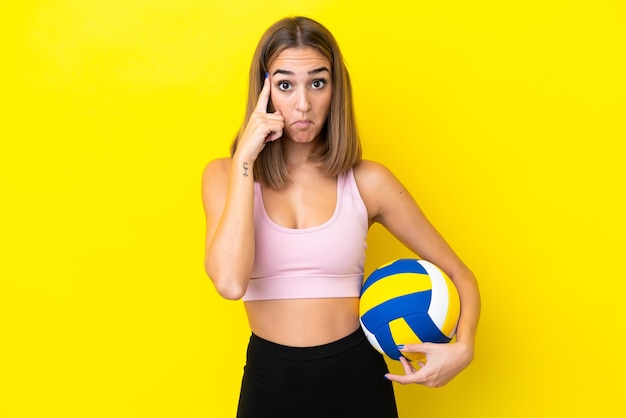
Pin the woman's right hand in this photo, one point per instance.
(262, 126)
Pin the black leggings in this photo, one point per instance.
(344, 378)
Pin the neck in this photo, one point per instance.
(297, 154)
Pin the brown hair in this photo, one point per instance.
(341, 146)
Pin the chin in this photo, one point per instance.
(305, 141)
(304, 137)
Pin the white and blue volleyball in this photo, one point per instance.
(408, 301)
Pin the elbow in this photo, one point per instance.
(230, 292)
(228, 286)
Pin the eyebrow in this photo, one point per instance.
(315, 71)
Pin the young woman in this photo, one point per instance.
(287, 217)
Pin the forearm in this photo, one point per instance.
(469, 295)
(230, 252)
(445, 361)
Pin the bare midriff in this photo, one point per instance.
(303, 322)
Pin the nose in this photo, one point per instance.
(303, 104)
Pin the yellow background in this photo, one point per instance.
(505, 119)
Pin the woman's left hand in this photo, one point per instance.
(443, 363)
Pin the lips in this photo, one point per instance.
(302, 124)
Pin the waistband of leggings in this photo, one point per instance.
(307, 353)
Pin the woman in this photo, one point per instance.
(287, 216)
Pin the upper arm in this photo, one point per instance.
(214, 190)
(390, 204)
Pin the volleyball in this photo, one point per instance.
(408, 301)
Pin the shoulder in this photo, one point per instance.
(219, 165)
(216, 169)
(371, 174)
(377, 186)
(215, 176)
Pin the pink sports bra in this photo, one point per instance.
(325, 261)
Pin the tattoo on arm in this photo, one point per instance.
(245, 168)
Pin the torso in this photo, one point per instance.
(303, 322)
(308, 202)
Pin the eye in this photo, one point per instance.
(284, 85)
(318, 84)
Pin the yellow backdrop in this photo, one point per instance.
(504, 119)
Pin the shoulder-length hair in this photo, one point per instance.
(341, 147)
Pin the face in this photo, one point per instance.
(301, 90)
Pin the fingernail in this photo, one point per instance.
(267, 74)
(400, 347)
(385, 376)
